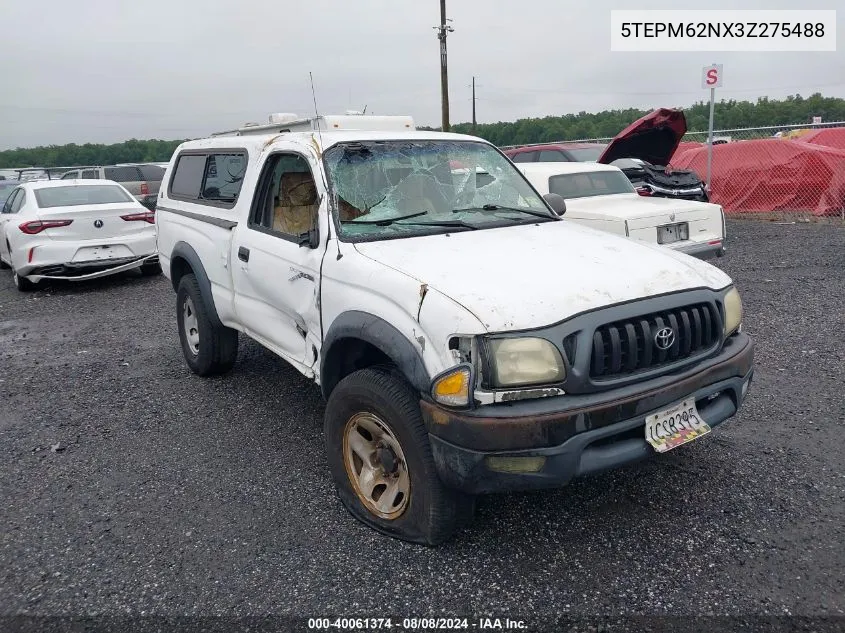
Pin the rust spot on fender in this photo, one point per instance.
(439, 416)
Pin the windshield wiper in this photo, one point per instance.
(497, 207)
(385, 221)
(447, 223)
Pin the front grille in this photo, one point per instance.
(626, 347)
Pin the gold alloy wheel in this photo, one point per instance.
(376, 466)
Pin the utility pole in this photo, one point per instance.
(473, 104)
(442, 31)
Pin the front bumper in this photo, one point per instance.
(703, 250)
(578, 434)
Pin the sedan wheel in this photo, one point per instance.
(22, 283)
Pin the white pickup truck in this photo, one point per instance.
(467, 337)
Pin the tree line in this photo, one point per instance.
(729, 114)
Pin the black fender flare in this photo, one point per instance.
(356, 324)
(185, 251)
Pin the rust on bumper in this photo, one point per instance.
(551, 421)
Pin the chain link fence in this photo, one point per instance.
(786, 173)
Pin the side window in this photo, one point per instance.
(90, 174)
(213, 179)
(552, 156)
(286, 203)
(70, 175)
(122, 174)
(224, 175)
(524, 157)
(187, 177)
(151, 173)
(7, 206)
(17, 203)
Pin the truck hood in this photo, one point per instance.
(652, 138)
(529, 276)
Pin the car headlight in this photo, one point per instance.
(733, 311)
(525, 361)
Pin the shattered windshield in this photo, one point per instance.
(384, 189)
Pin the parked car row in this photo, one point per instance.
(141, 179)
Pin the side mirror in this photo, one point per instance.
(311, 238)
(556, 202)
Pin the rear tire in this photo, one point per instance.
(209, 349)
(4, 265)
(22, 283)
(427, 511)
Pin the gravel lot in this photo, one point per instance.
(175, 495)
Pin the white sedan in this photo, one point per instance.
(75, 230)
(602, 197)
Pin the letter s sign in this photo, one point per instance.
(711, 76)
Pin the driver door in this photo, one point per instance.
(276, 259)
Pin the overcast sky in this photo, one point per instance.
(108, 70)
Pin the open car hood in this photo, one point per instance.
(652, 138)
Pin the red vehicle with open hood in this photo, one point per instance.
(643, 151)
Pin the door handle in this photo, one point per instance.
(243, 253)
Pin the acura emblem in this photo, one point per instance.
(671, 217)
(665, 338)
(98, 224)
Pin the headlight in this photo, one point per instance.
(733, 311)
(525, 361)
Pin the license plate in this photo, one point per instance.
(669, 429)
(94, 253)
(669, 233)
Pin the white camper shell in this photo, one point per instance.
(288, 122)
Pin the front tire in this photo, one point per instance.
(381, 461)
(22, 283)
(209, 349)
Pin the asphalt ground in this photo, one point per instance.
(131, 487)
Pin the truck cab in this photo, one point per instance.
(467, 338)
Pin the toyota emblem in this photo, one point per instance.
(98, 224)
(665, 338)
